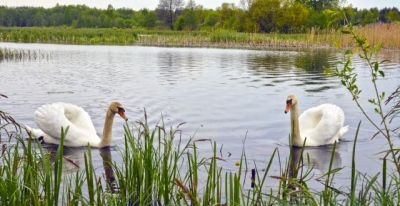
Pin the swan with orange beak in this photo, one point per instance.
(321, 125)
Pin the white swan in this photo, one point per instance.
(321, 125)
(51, 117)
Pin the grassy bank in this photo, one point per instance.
(67, 35)
(385, 34)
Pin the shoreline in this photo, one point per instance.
(214, 46)
(223, 39)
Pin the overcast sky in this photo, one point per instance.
(151, 4)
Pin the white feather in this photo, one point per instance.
(50, 118)
(322, 125)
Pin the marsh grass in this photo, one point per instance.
(386, 35)
(67, 35)
(11, 54)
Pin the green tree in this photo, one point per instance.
(188, 19)
(146, 18)
(320, 5)
(393, 15)
(168, 10)
(294, 17)
(228, 16)
(266, 13)
(212, 18)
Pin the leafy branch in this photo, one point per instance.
(348, 78)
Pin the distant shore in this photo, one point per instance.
(388, 35)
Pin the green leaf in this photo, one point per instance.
(372, 101)
(376, 66)
(347, 64)
(382, 73)
(382, 96)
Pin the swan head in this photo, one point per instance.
(290, 101)
(117, 108)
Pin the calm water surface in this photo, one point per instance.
(222, 95)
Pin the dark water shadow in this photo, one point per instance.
(315, 61)
(268, 64)
(313, 70)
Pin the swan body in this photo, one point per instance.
(320, 125)
(50, 118)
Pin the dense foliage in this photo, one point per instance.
(286, 16)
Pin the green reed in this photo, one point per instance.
(11, 54)
(159, 168)
(67, 35)
(207, 38)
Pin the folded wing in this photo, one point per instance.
(50, 118)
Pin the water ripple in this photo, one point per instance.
(221, 94)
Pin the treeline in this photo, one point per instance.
(285, 16)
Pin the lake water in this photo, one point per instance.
(221, 94)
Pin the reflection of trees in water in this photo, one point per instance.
(269, 63)
(311, 61)
(308, 69)
(315, 61)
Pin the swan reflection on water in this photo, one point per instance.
(320, 157)
(105, 154)
(74, 161)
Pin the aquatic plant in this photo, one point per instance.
(10, 54)
(385, 34)
(67, 35)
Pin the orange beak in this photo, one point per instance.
(288, 107)
(122, 114)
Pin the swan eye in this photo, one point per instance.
(120, 109)
(289, 101)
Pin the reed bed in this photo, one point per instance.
(11, 54)
(67, 35)
(229, 39)
(385, 34)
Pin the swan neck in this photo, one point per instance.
(107, 130)
(295, 128)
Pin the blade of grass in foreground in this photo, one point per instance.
(353, 169)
